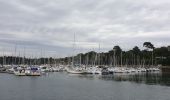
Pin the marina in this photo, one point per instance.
(84, 50)
(86, 76)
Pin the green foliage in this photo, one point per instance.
(135, 56)
(148, 45)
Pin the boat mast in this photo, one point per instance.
(19, 58)
(87, 63)
(73, 50)
(23, 62)
(95, 60)
(121, 59)
(99, 55)
(80, 59)
(15, 53)
(3, 58)
(114, 57)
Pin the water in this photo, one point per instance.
(63, 86)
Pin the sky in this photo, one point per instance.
(47, 27)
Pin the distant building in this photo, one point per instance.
(168, 48)
(161, 57)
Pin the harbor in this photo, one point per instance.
(93, 75)
(84, 50)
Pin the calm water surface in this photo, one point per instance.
(63, 86)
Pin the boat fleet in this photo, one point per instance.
(105, 70)
(38, 70)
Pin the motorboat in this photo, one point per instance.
(19, 72)
(33, 71)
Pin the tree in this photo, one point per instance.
(117, 55)
(136, 50)
(149, 45)
(117, 50)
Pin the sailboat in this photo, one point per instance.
(71, 69)
(75, 71)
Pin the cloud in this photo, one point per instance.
(51, 25)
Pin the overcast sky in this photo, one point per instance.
(45, 27)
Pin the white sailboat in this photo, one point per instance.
(75, 71)
(72, 69)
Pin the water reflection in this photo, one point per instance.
(156, 78)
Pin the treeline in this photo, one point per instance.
(11, 60)
(115, 57)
